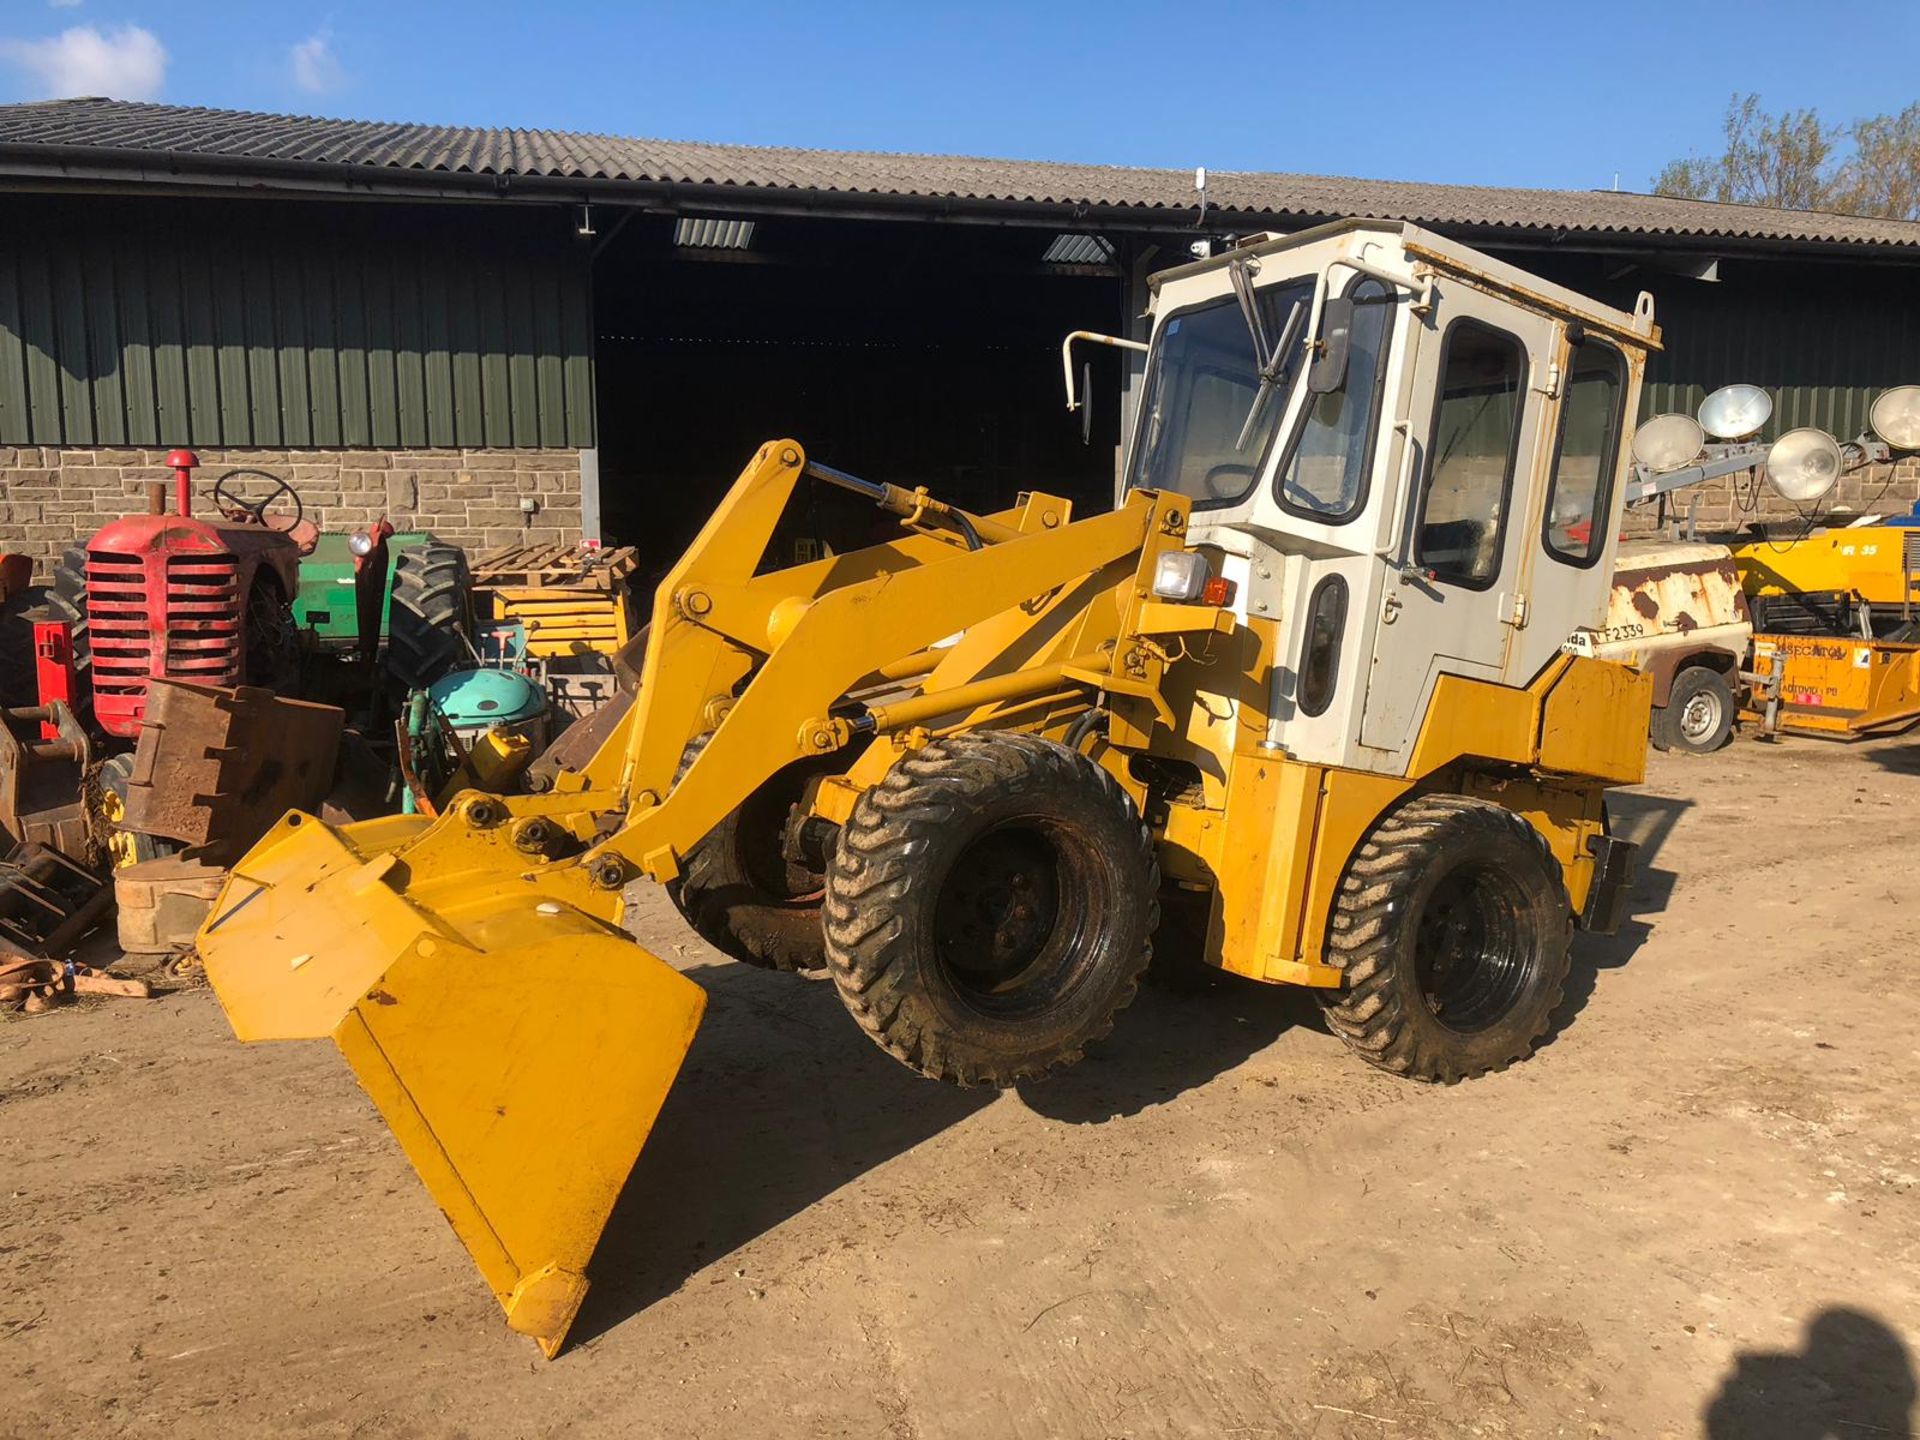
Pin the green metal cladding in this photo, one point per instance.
(265, 324)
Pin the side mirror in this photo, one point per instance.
(1328, 372)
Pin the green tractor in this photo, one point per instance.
(467, 702)
(405, 588)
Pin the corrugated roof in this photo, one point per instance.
(115, 132)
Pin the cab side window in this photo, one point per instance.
(1470, 454)
(1586, 453)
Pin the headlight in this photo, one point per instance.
(1734, 411)
(1896, 417)
(1804, 464)
(1180, 575)
(1668, 442)
(360, 543)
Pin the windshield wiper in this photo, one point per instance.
(1272, 363)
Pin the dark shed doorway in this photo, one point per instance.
(922, 354)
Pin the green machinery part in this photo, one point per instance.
(324, 604)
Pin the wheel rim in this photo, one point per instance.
(761, 841)
(1700, 716)
(1010, 917)
(1473, 961)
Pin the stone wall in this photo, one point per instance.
(1732, 502)
(51, 498)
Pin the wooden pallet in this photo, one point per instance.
(539, 566)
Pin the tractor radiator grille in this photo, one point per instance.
(118, 615)
(189, 629)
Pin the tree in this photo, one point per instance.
(1797, 161)
(1883, 175)
(1783, 160)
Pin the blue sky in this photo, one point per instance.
(1547, 94)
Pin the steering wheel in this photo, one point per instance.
(1227, 482)
(237, 505)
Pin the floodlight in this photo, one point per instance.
(1734, 412)
(1804, 464)
(1668, 442)
(1895, 416)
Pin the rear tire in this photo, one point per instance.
(1699, 713)
(66, 599)
(990, 908)
(738, 890)
(432, 604)
(1454, 930)
(19, 684)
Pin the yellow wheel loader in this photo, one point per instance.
(1307, 680)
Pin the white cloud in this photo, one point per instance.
(126, 63)
(316, 69)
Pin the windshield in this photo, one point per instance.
(1205, 427)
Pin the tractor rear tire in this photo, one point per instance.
(990, 908)
(738, 889)
(66, 599)
(18, 679)
(432, 606)
(1699, 713)
(1455, 932)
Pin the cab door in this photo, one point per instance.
(1456, 579)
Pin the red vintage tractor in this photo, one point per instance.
(185, 598)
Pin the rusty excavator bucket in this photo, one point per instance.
(470, 967)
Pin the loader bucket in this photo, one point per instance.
(518, 1048)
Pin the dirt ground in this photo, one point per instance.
(1697, 1210)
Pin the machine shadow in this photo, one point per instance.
(1901, 759)
(782, 1101)
(1648, 821)
(1188, 1026)
(1852, 1376)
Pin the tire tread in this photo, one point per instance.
(1369, 1015)
(877, 868)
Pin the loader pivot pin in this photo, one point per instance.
(533, 835)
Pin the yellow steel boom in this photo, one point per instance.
(470, 968)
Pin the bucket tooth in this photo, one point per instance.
(518, 1048)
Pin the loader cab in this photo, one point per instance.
(1407, 457)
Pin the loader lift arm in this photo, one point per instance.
(808, 635)
(471, 968)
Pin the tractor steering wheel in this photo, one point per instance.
(238, 506)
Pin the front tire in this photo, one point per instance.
(1699, 713)
(271, 654)
(1454, 930)
(990, 908)
(124, 847)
